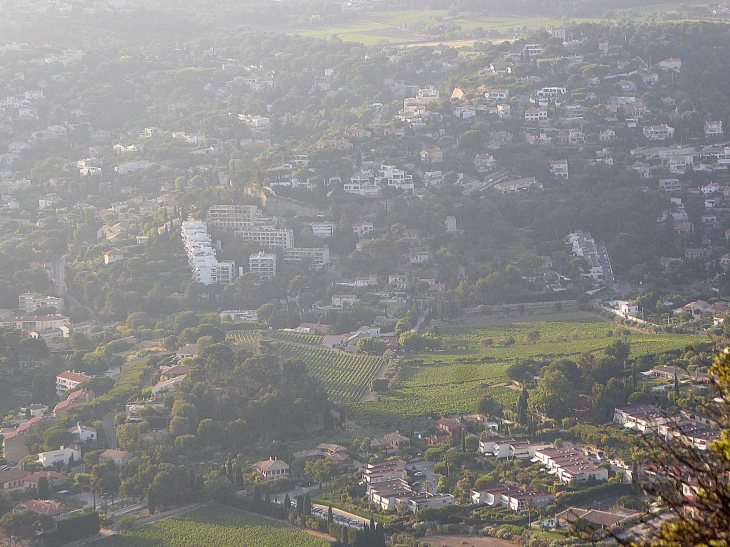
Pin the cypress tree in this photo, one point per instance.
(287, 502)
(300, 504)
(230, 472)
(44, 492)
(330, 516)
(463, 442)
(676, 384)
(307, 505)
(256, 493)
(634, 378)
(379, 535)
(239, 477)
(151, 502)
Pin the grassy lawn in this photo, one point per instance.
(452, 381)
(214, 527)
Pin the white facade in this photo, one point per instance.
(323, 229)
(320, 256)
(263, 264)
(202, 259)
(63, 456)
(268, 236)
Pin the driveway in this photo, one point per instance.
(427, 469)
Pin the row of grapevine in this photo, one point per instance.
(248, 339)
(346, 376)
(297, 337)
(214, 527)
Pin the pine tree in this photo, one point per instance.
(287, 502)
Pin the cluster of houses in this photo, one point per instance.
(648, 419)
(387, 487)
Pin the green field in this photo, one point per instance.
(214, 527)
(394, 26)
(452, 380)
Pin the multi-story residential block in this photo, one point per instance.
(658, 132)
(323, 229)
(263, 264)
(202, 259)
(536, 114)
(713, 129)
(267, 236)
(234, 217)
(30, 302)
(320, 256)
(559, 168)
(69, 379)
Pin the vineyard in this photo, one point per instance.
(298, 337)
(474, 362)
(214, 527)
(345, 376)
(248, 339)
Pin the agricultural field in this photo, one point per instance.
(474, 362)
(345, 376)
(297, 337)
(396, 26)
(248, 339)
(214, 527)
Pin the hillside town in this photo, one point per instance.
(391, 294)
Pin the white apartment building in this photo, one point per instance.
(202, 259)
(320, 256)
(263, 264)
(713, 129)
(568, 464)
(550, 92)
(658, 132)
(323, 230)
(30, 302)
(235, 216)
(497, 94)
(559, 168)
(536, 114)
(255, 122)
(69, 379)
(395, 178)
(533, 49)
(267, 236)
